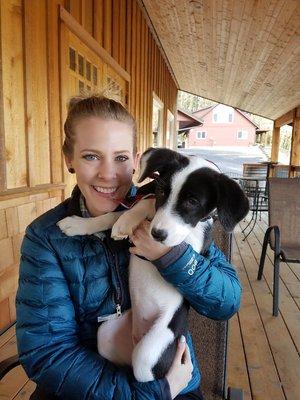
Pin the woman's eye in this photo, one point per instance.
(122, 158)
(90, 157)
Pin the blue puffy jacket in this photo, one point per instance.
(67, 282)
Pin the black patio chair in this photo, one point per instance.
(283, 233)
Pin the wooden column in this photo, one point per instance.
(295, 150)
(275, 144)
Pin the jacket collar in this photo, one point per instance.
(73, 204)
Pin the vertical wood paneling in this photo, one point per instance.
(116, 29)
(122, 34)
(2, 127)
(76, 9)
(32, 116)
(37, 93)
(98, 21)
(142, 88)
(54, 90)
(146, 97)
(107, 28)
(133, 59)
(87, 11)
(13, 89)
(129, 28)
(138, 74)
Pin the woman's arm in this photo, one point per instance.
(209, 282)
(48, 335)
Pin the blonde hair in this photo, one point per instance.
(94, 106)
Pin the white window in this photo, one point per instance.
(223, 114)
(201, 135)
(157, 121)
(242, 134)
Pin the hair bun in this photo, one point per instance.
(73, 101)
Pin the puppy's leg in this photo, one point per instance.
(74, 225)
(149, 350)
(114, 339)
(130, 220)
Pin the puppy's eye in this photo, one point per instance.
(160, 192)
(192, 202)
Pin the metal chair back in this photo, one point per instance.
(284, 210)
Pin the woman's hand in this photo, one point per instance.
(181, 369)
(145, 245)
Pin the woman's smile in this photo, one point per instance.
(103, 160)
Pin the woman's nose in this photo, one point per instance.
(107, 171)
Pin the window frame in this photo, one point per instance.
(201, 138)
(244, 134)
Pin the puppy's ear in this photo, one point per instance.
(155, 162)
(233, 205)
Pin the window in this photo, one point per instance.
(223, 114)
(157, 121)
(242, 134)
(201, 135)
(170, 130)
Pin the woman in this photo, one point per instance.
(66, 283)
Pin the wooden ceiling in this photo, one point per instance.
(243, 53)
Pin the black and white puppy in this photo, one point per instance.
(188, 190)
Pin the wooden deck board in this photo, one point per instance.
(263, 350)
(263, 375)
(289, 307)
(280, 336)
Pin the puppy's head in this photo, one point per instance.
(188, 190)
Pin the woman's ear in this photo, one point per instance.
(68, 162)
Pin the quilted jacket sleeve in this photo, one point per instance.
(47, 335)
(209, 282)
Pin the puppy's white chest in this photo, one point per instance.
(150, 293)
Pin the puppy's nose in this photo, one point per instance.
(159, 234)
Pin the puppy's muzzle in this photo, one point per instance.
(159, 234)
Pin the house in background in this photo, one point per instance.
(222, 126)
(185, 121)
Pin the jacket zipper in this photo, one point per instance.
(119, 288)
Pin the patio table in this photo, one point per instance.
(256, 190)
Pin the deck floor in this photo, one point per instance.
(263, 350)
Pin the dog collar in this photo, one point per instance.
(133, 200)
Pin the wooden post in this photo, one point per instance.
(295, 150)
(275, 144)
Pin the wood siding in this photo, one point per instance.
(32, 175)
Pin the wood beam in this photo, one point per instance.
(275, 144)
(284, 119)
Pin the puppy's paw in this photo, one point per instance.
(74, 225)
(123, 227)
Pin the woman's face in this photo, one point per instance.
(103, 161)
